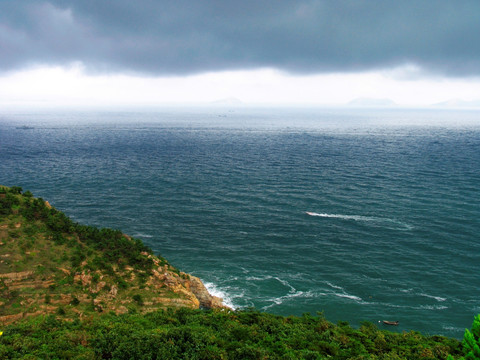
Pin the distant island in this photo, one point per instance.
(71, 291)
(458, 104)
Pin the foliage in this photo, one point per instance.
(471, 341)
(138, 299)
(7, 201)
(214, 334)
(114, 245)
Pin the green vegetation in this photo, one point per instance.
(214, 334)
(113, 244)
(70, 291)
(52, 265)
(471, 341)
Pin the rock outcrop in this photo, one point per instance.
(188, 285)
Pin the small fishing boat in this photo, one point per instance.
(386, 322)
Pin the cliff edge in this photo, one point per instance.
(49, 264)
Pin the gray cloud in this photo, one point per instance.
(182, 37)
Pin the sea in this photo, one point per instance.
(359, 214)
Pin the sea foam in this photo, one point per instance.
(343, 294)
(216, 291)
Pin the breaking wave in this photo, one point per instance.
(438, 298)
(142, 235)
(216, 291)
(342, 293)
(281, 299)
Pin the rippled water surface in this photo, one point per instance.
(362, 215)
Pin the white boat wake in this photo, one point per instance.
(376, 220)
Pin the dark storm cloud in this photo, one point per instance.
(182, 37)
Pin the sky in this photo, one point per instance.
(303, 52)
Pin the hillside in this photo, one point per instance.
(49, 264)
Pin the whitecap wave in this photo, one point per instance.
(141, 235)
(281, 299)
(433, 307)
(345, 217)
(438, 298)
(414, 293)
(258, 278)
(285, 283)
(334, 286)
(413, 307)
(348, 296)
(292, 293)
(453, 328)
(343, 294)
(269, 277)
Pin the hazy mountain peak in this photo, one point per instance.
(458, 103)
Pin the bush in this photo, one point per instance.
(74, 301)
(95, 278)
(138, 299)
(6, 204)
(61, 311)
(17, 190)
(471, 341)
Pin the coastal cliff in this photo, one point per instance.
(51, 265)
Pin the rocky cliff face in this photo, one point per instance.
(30, 293)
(189, 286)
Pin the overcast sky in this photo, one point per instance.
(262, 51)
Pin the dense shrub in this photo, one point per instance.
(138, 299)
(7, 202)
(208, 334)
(471, 341)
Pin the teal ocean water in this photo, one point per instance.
(365, 215)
